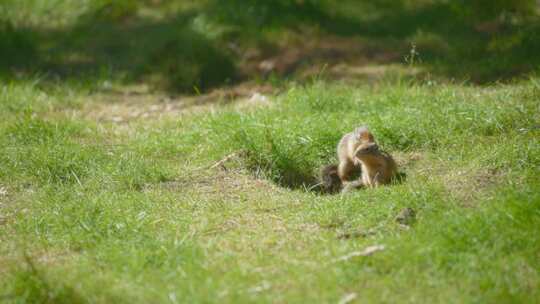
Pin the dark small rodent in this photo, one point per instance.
(330, 182)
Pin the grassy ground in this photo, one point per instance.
(195, 46)
(110, 192)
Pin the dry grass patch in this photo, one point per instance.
(138, 103)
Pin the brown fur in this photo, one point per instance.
(330, 181)
(358, 149)
(346, 149)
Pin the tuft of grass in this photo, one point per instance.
(289, 141)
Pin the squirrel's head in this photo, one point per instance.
(368, 148)
(363, 135)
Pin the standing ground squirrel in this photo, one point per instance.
(358, 148)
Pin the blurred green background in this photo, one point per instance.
(192, 46)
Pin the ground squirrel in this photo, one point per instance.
(358, 149)
(330, 181)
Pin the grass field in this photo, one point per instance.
(118, 184)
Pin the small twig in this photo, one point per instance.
(366, 252)
(225, 159)
(314, 186)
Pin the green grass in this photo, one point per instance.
(96, 212)
(109, 189)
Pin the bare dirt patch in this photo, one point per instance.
(328, 56)
(131, 103)
(468, 185)
(218, 183)
(465, 184)
(296, 51)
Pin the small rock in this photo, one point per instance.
(406, 216)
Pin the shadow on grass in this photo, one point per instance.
(280, 169)
(449, 40)
(453, 45)
(167, 53)
(206, 46)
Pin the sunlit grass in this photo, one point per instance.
(116, 187)
(95, 214)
